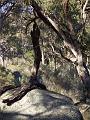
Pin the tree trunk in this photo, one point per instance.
(70, 41)
(35, 34)
(84, 75)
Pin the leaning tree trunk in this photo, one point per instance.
(80, 64)
(70, 41)
(76, 48)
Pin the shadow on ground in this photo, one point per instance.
(18, 116)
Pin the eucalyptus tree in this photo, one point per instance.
(70, 38)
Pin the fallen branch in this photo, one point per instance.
(20, 92)
(6, 88)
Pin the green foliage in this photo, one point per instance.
(5, 76)
(74, 12)
(26, 2)
(29, 55)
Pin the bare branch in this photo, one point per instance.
(44, 17)
(54, 49)
(5, 88)
(29, 22)
(83, 11)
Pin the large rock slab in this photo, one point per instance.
(40, 105)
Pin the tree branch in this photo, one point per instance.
(6, 88)
(29, 22)
(72, 42)
(83, 11)
(20, 92)
(44, 17)
(72, 60)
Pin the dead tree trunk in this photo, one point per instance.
(35, 34)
